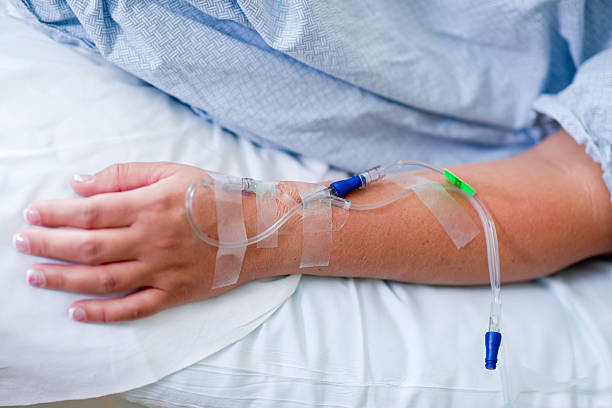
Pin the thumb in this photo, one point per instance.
(120, 177)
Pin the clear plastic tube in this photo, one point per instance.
(209, 182)
(489, 230)
(367, 177)
(493, 259)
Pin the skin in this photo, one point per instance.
(550, 206)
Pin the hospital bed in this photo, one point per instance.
(325, 341)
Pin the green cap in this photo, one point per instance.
(458, 182)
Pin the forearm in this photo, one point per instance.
(549, 204)
(550, 207)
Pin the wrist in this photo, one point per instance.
(285, 258)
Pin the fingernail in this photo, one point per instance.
(77, 313)
(32, 216)
(35, 277)
(83, 178)
(21, 243)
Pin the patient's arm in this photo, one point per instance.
(550, 206)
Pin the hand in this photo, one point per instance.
(131, 234)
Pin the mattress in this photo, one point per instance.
(324, 341)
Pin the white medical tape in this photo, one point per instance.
(456, 222)
(230, 227)
(316, 225)
(267, 212)
(287, 202)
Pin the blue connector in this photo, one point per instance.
(341, 188)
(492, 343)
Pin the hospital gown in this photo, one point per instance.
(363, 83)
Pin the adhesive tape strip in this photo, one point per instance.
(267, 212)
(230, 227)
(316, 225)
(454, 219)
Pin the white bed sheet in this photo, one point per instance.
(335, 342)
(368, 343)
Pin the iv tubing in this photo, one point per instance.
(493, 336)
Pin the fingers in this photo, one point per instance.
(136, 305)
(102, 279)
(101, 211)
(121, 177)
(81, 246)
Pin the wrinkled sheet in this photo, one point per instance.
(61, 113)
(368, 343)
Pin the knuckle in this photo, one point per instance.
(120, 172)
(59, 282)
(166, 242)
(108, 283)
(40, 247)
(89, 215)
(105, 316)
(162, 203)
(137, 312)
(90, 251)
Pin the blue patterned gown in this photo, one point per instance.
(359, 83)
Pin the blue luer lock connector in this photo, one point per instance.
(492, 343)
(341, 188)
